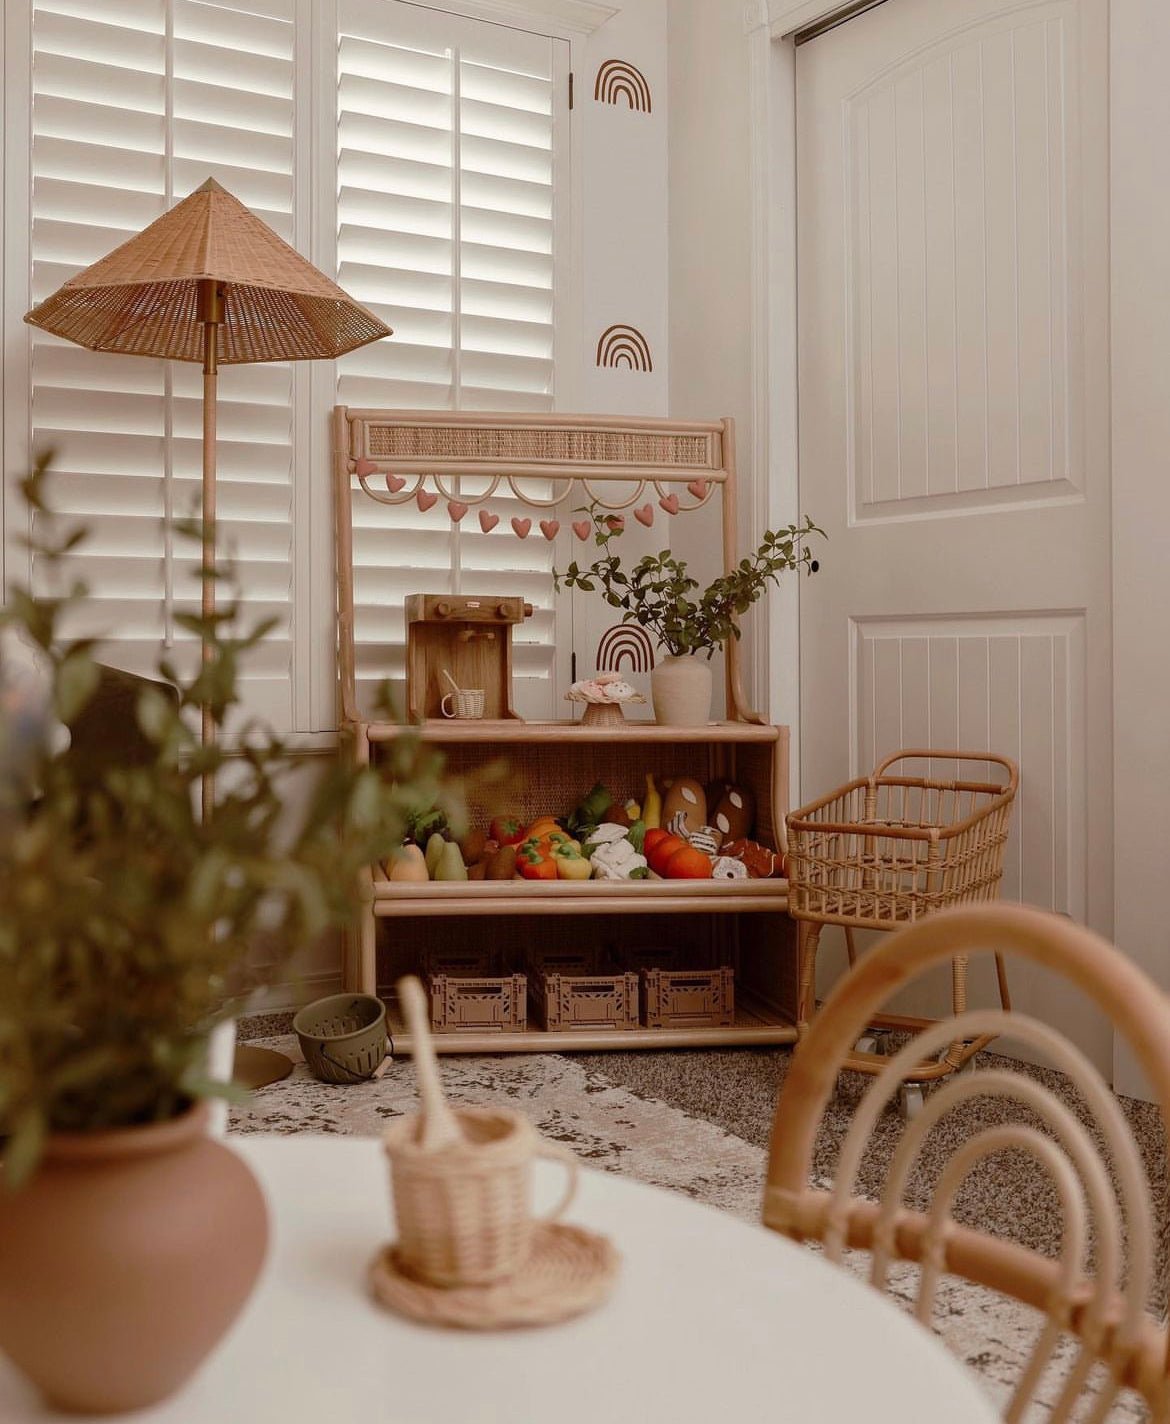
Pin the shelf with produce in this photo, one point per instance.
(758, 1024)
(566, 897)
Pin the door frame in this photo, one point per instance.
(1140, 422)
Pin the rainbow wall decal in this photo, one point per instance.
(619, 79)
(622, 345)
(625, 640)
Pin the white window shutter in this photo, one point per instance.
(451, 140)
(447, 228)
(134, 105)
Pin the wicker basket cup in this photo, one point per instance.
(464, 1213)
(469, 703)
(343, 1037)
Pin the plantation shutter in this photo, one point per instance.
(134, 104)
(450, 135)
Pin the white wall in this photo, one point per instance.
(710, 254)
(1140, 123)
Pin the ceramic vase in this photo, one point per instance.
(124, 1261)
(680, 689)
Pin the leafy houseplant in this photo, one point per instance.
(686, 619)
(128, 920)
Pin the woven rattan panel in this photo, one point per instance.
(536, 443)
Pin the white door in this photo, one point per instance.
(954, 418)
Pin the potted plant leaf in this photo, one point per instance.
(689, 621)
(129, 1239)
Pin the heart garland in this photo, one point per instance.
(521, 526)
(669, 502)
(456, 509)
(582, 528)
(550, 528)
(488, 521)
(424, 500)
(645, 515)
(698, 488)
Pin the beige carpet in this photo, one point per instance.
(699, 1122)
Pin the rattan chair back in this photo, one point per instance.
(1104, 1196)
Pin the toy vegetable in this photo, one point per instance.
(570, 863)
(534, 861)
(618, 860)
(435, 846)
(506, 830)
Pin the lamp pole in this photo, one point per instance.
(210, 308)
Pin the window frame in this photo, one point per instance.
(312, 575)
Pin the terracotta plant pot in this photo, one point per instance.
(125, 1259)
(680, 689)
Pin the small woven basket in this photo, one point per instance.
(343, 1037)
(465, 1212)
(469, 703)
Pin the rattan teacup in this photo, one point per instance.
(468, 703)
(464, 1212)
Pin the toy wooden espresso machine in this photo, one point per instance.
(468, 638)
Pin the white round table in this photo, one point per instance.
(712, 1319)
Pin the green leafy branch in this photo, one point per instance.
(659, 594)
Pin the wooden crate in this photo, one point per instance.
(688, 998)
(475, 1003)
(580, 1000)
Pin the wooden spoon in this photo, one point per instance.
(454, 685)
(438, 1127)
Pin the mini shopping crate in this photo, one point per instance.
(891, 847)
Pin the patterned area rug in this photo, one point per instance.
(698, 1122)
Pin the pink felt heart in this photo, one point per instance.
(698, 488)
(669, 502)
(522, 526)
(645, 515)
(487, 522)
(582, 528)
(550, 528)
(456, 509)
(394, 483)
(616, 522)
(364, 467)
(424, 500)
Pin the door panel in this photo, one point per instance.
(952, 250)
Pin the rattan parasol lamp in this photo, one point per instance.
(209, 282)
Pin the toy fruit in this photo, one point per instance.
(472, 846)
(617, 815)
(687, 796)
(409, 864)
(735, 813)
(540, 827)
(654, 834)
(434, 850)
(450, 865)
(507, 830)
(687, 863)
(651, 805)
(478, 871)
(663, 850)
(502, 865)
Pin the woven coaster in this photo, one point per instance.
(570, 1270)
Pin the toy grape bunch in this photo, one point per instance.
(604, 697)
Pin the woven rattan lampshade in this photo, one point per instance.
(143, 298)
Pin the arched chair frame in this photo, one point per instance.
(1106, 1312)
